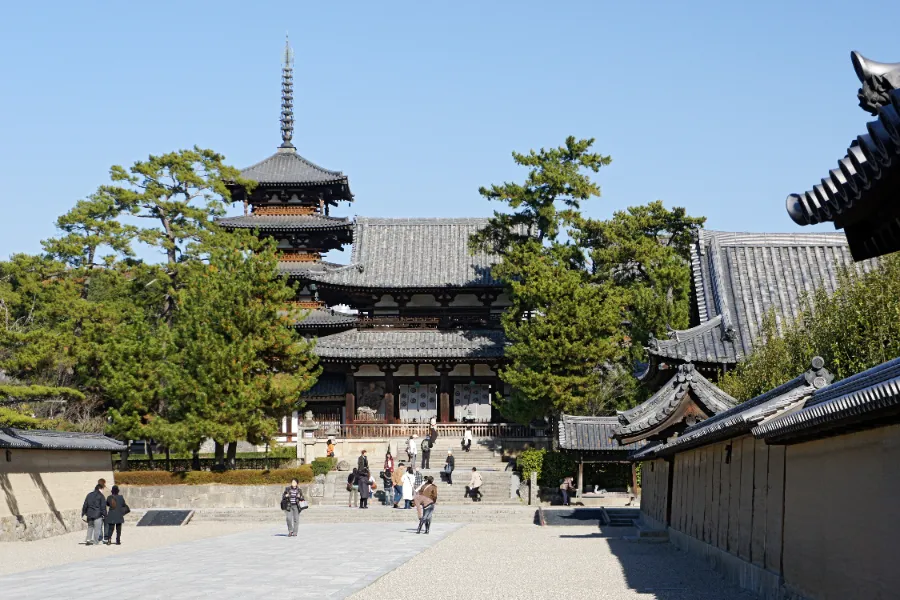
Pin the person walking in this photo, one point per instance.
(364, 482)
(353, 488)
(94, 511)
(397, 480)
(449, 465)
(362, 463)
(474, 487)
(427, 498)
(115, 515)
(467, 439)
(426, 455)
(432, 431)
(329, 451)
(409, 484)
(412, 449)
(565, 488)
(290, 504)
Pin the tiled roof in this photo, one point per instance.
(286, 166)
(411, 344)
(39, 439)
(739, 277)
(329, 385)
(743, 417)
(304, 269)
(325, 317)
(414, 253)
(591, 434)
(872, 397)
(285, 222)
(645, 417)
(863, 179)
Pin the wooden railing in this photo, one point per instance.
(454, 430)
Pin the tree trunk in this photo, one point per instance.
(168, 458)
(220, 455)
(123, 457)
(232, 454)
(195, 460)
(150, 451)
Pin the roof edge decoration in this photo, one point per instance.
(745, 416)
(667, 406)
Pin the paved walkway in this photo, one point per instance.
(324, 561)
(382, 561)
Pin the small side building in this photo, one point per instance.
(44, 477)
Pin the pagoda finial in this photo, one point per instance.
(287, 96)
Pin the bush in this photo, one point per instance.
(322, 465)
(556, 466)
(303, 474)
(530, 461)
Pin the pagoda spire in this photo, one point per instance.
(287, 96)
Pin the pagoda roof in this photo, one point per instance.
(286, 222)
(591, 434)
(321, 318)
(666, 408)
(414, 253)
(287, 167)
(745, 416)
(860, 194)
(293, 268)
(739, 277)
(375, 344)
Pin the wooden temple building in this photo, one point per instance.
(421, 337)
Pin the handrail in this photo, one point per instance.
(383, 430)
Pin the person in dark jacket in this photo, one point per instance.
(449, 466)
(93, 511)
(290, 504)
(364, 482)
(115, 515)
(426, 455)
(362, 463)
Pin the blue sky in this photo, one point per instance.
(721, 107)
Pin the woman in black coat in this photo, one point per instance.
(363, 483)
(115, 515)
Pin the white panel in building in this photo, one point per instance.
(483, 371)
(472, 402)
(406, 371)
(418, 403)
(461, 371)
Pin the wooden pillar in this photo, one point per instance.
(350, 399)
(634, 488)
(444, 389)
(580, 476)
(389, 393)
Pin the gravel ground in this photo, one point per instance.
(16, 557)
(543, 563)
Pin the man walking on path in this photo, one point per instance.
(362, 463)
(94, 511)
(474, 484)
(425, 501)
(448, 467)
(426, 455)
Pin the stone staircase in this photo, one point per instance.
(621, 517)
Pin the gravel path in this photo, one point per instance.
(543, 563)
(16, 557)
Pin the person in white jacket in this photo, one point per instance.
(412, 449)
(409, 485)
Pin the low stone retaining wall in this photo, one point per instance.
(37, 526)
(209, 496)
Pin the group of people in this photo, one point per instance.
(104, 514)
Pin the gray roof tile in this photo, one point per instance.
(40, 439)
(411, 344)
(286, 166)
(591, 434)
(285, 222)
(739, 277)
(414, 253)
(325, 317)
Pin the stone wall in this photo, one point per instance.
(43, 490)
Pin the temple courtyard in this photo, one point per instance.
(359, 560)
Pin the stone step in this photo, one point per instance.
(472, 513)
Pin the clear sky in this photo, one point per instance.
(721, 107)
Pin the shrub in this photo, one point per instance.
(556, 466)
(322, 465)
(303, 474)
(530, 461)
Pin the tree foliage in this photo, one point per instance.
(855, 328)
(582, 291)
